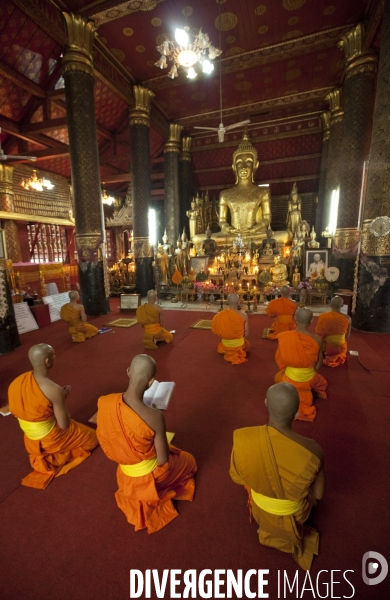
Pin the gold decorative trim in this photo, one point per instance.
(335, 101)
(367, 64)
(186, 144)
(142, 247)
(325, 120)
(6, 173)
(78, 54)
(346, 238)
(374, 245)
(122, 9)
(352, 42)
(140, 113)
(34, 218)
(173, 143)
(88, 245)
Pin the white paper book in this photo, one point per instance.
(159, 394)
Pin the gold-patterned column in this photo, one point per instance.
(185, 181)
(84, 160)
(9, 336)
(171, 182)
(14, 251)
(325, 120)
(335, 101)
(359, 97)
(373, 278)
(141, 186)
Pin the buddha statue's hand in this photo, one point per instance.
(225, 227)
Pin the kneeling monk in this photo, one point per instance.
(74, 314)
(232, 326)
(299, 356)
(283, 474)
(150, 473)
(283, 309)
(54, 442)
(334, 327)
(151, 317)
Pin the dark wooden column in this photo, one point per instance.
(372, 311)
(359, 98)
(171, 182)
(325, 119)
(333, 160)
(185, 182)
(84, 160)
(141, 186)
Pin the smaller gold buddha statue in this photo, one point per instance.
(279, 272)
(296, 278)
(313, 242)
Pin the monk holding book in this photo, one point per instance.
(334, 328)
(232, 326)
(283, 309)
(283, 474)
(299, 356)
(74, 315)
(54, 442)
(151, 317)
(151, 472)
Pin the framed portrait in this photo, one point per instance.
(130, 301)
(315, 261)
(198, 263)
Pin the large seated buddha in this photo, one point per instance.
(248, 205)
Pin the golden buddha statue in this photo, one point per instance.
(279, 272)
(248, 204)
(294, 217)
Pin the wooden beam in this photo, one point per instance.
(44, 126)
(47, 153)
(22, 81)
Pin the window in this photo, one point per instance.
(47, 243)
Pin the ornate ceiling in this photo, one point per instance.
(279, 60)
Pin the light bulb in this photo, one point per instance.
(181, 37)
(191, 74)
(207, 66)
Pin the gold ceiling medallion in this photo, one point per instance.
(226, 21)
(293, 4)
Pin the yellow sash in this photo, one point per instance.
(274, 506)
(335, 340)
(152, 328)
(284, 318)
(37, 431)
(302, 374)
(145, 466)
(233, 343)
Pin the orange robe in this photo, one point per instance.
(271, 464)
(60, 450)
(283, 309)
(333, 324)
(148, 316)
(79, 330)
(300, 351)
(231, 327)
(128, 440)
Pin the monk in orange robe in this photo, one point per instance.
(54, 442)
(74, 315)
(334, 328)
(232, 326)
(283, 309)
(151, 473)
(299, 356)
(283, 474)
(151, 317)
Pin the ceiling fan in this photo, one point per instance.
(221, 129)
(7, 156)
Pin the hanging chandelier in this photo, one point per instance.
(107, 199)
(184, 53)
(35, 183)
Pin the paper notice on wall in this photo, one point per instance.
(55, 303)
(344, 309)
(24, 318)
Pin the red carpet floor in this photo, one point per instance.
(72, 542)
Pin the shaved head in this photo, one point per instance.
(303, 316)
(233, 300)
(39, 353)
(285, 291)
(282, 402)
(142, 370)
(73, 295)
(151, 295)
(337, 302)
